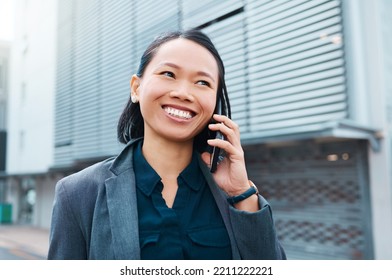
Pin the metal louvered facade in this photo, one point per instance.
(296, 66)
(284, 63)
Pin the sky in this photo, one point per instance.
(6, 20)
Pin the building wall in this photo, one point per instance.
(379, 37)
(4, 74)
(285, 67)
(369, 67)
(32, 87)
(44, 199)
(31, 109)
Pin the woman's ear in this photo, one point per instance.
(135, 84)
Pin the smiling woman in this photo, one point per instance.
(158, 199)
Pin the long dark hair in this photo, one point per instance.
(131, 123)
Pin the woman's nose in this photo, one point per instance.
(183, 92)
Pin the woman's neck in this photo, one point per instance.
(167, 158)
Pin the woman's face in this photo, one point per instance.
(177, 92)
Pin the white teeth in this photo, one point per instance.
(178, 113)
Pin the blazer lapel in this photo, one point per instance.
(221, 201)
(122, 207)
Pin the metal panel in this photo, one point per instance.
(87, 92)
(64, 84)
(320, 197)
(197, 13)
(153, 18)
(296, 65)
(116, 61)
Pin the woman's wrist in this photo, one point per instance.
(251, 204)
(243, 194)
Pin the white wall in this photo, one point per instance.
(44, 201)
(6, 20)
(369, 26)
(33, 64)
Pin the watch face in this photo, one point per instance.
(253, 186)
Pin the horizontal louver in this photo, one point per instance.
(116, 61)
(196, 13)
(86, 80)
(64, 85)
(296, 66)
(153, 18)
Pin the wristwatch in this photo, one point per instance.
(251, 191)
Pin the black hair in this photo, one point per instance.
(131, 123)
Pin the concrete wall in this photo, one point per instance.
(44, 203)
(32, 87)
(31, 108)
(370, 65)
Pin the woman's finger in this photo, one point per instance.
(227, 122)
(231, 151)
(231, 135)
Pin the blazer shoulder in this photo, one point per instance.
(87, 180)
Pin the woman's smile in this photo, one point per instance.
(178, 113)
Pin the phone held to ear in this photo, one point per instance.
(217, 154)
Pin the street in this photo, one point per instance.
(23, 242)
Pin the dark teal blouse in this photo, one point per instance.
(192, 229)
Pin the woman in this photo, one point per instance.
(158, 199)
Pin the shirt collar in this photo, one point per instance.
(147, 178)
(192, 174)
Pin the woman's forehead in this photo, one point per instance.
(182, 51)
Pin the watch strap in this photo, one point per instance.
(251, 191)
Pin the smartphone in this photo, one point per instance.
(217, 155)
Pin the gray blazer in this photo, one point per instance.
(95, 216)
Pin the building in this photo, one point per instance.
(4, 72)
(308, 86)
(31, 113)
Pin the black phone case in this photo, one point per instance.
(216, 152)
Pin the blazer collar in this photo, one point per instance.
(122, 206)
(123, 161)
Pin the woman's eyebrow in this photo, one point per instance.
(200, 73)
(170, 64)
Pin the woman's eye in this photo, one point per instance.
(168, 74)
(203, 83)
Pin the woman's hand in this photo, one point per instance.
(230, 175)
